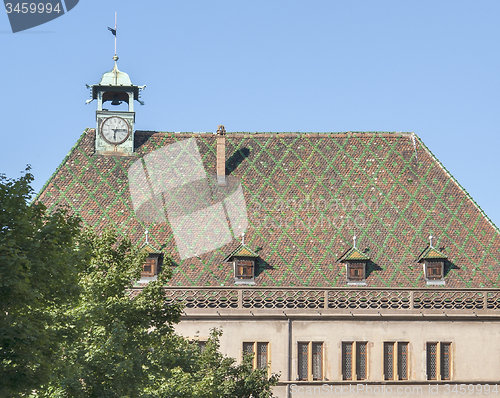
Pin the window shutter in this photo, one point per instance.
(434, 269)
(244, 269)
(149, 267)
(356, 271)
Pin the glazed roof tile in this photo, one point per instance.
(306, 195)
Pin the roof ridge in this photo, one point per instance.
(456, 182)
(61, 164)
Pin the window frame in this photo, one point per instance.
(310, 356)
(243, 277)
(441, 372)
(431, 265)
(395, 360)
(354, 358)
(353, 266)
(256, 360)
(156, 260)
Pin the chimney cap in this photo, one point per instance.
(221, 130)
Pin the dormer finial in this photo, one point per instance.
(243, 238)
(430, 240)
(146, 232)
(354, 241)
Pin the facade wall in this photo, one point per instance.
(475, 348)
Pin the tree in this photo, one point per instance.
(127, 345)
(39, 270)
(117, 333)
(209, 374)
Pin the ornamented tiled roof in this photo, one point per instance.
(306, 196)
(354, 254)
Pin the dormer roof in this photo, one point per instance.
(431, 253)
(150, 248)
(241, 251)
(354, 254)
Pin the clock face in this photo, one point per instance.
(115, 130)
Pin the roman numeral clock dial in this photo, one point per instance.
(115, 130)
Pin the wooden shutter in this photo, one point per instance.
(434, 269)
(244, 269)
(149, 267)
(356, 271)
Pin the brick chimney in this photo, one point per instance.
(221, 155)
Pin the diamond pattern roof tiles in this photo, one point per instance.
(306, 196)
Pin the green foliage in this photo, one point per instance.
(39, 270)
(72, 326)
(209, 374)
(117, 333)
(127, 347)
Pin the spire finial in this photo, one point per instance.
(354, 240)
(243, 238)
(430, 240)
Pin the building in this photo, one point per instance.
(353, 263)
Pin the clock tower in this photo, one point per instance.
(115, 128)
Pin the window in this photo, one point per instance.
(202, 344)
(260, 352)
(354, 360)
(434, 269)
(439, 361)
(396, 361)
(243, 269)
(356, 271)
(310, 360)
(151, 266)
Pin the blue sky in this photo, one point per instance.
(429, 67)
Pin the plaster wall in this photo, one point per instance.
(475, 348)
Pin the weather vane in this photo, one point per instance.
(114, 32)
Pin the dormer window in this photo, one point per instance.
(244, 261)
(434, 263)
(356, 271)
(151, 266)
(434, 269)
(355, 263)
(244, 268)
